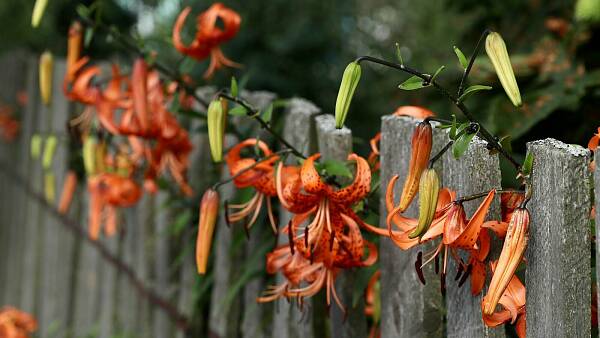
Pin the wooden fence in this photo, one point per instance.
(142, 283)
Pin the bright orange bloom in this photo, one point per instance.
(513, 249)
(209, 36)
(15, 323)
(67, 193)
(9, 126)
(107, 193)
(261, 177)
(513, 306)
(329, 242)
(209, 208)
(593, 143)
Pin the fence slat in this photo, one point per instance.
(408, 308)
(161, 322)
(476, 171)
(254, 316)
(13, 80)
(288, 320)
(558, 270)
(597, 200)
(222, 316)
(59, 243)
(336, 144)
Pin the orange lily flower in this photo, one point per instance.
(513, 306)
(593, 143)
(329, 242)
(209, 36)
(15, 323)
(261, 178)
(209, 208)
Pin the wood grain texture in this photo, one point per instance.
(558, 273)
(408, 308)
(289, 321)
(336, 144)
(475, 172)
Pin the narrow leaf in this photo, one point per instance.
(234, 87)
(238, 111)
(413, 82)
(471, 90)
(527, 164)
(437, 72)
(89, 34)
(461, 57)
(461, 145)
(267, 114)
(453, 128)
(399, 54)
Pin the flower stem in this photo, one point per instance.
(483, 194)
(472, 61)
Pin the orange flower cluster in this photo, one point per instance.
(9, 126)
(135, 109)
(324, 232)
(15, 323)
(209, 36)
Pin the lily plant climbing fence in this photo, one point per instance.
(143, 282)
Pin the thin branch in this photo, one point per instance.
(182, 321)
(472, 61)
(483, 194)
(492, 140)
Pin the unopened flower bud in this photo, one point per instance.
(67, 192)
(209, 208)
(217, 119)
(496, 51)
(429, 189)
(419, 158)
(36, 146)
(49, 186)
(49, 151)
(513, 249)
(89, 157)
(349, 82)
(74, 49)
(38, 12)
(46, 68)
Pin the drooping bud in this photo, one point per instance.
(139, 88)
(45, 74)
(89, 155)
(49, 186)
(513, 249)
(36, 146)
(496, 51)
(209, 208)
(217, 119)
(349, 82)
(67, 192)
(38, 12)
(74, 48)
(419, 158)
(429, 189)
(49, 151)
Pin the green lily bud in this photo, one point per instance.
(429, 189)
(496, 50)
(49, 150)
(349, 82)
(46, 68)
(217, 119)
(36, 146)
(89, 155)
(587, 10)
(49, 186)
(38, 11)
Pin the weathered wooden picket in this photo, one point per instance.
(79, 288)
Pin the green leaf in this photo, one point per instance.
(267, 114)
(471, 90)
(452, 134)
(527, 164)
(505, 142)
(461, 144)
(89, 34)
(337, 168)
(398, 54)
(413, 82)
(234, 87)
(437, 72)
(83, 11)
(461, 57)
(238, 111)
